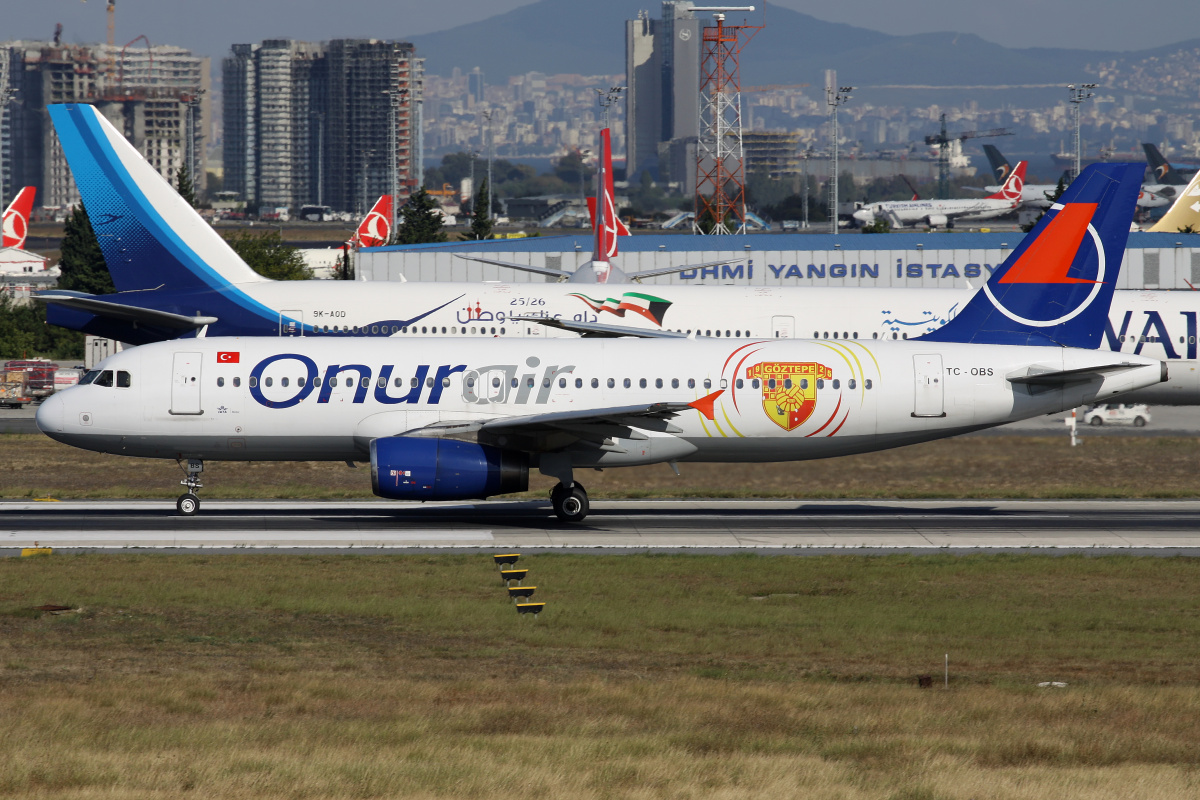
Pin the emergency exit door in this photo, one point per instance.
(929, 400)
(185, 384)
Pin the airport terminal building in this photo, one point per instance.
(902, 260)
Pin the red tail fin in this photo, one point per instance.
(16, 217)
(376, 228)
(1011, 190)
(621, 229)
(604, 219)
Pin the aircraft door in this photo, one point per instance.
(185, 384)
(291, 323)
(929, 400)
(783, 327)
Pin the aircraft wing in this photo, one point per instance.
(650, 273)
(122, 312)
(562, 275)
(556, 430)
(599, 329)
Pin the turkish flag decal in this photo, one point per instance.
(228, 358)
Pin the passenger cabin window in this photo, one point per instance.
(220, 381)
(238, 381)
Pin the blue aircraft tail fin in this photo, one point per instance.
(1057, 286)
(150, 236)
(1164, 173)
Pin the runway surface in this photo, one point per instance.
(1163, 527)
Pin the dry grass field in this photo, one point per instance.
(649, 676)
(967, 467)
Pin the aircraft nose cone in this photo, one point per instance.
(50, 414)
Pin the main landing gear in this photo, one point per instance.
(188, 504)
(570, 505)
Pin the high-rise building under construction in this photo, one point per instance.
(322, 123)
(156, 96)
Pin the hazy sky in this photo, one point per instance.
(208, 27)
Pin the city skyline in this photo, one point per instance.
(1074, 24)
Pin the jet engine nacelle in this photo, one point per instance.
(937, 221)
(409, 468)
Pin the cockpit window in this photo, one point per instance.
(89, 377)
(105, 378)
(124, 379)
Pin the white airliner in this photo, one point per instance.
(450, 420)
(176, 277)
(1037, 195)
(941, 213)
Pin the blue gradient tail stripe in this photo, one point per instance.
(1073, 311)
(141, 248)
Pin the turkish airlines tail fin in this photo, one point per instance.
(1163, 171)
(1184, 213)
(1011, 190)
(1057, 286)
(150, 236)
(376, 228)
(604, 215)
(16, 218)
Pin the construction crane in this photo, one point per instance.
(943, 142)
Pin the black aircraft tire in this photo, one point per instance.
(571, 505)
(187, 504)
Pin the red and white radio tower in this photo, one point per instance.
(720, 167)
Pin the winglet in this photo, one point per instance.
(705, 404)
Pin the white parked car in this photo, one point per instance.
(1133, 414)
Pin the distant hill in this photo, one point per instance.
(574, 36)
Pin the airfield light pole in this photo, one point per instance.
(804, 182)
(491, 191)
(835, 98)
(1079, 93)
(320, 117)
(607, 98)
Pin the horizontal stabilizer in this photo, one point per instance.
(598, 329)
(1067, 376)
(124, 313)
(650, 273)
(557, 273)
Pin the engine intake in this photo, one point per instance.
(408, 468)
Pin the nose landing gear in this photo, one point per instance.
(189, 503)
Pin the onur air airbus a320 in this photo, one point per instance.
(445, 419)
